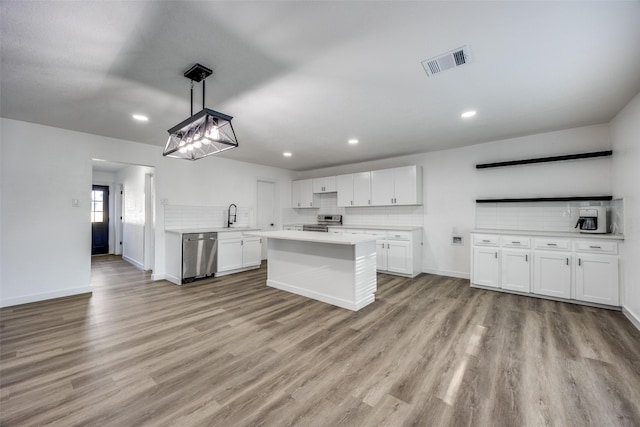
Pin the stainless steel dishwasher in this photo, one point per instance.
(199, 256)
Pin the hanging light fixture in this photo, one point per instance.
(204, 133)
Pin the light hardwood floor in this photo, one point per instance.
(230, 351)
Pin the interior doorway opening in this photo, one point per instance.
(129, 208)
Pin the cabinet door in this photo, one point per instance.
(318, 185)
(405, 186)
(597, 279)
(399, 258)
(381, 255)
(251, 251)
(344, 184)
(329, 184)
(362, 189)
(516, 270)
(229, 254)
(296, 194)
(382, 193)
(306, 193)
(486, 267)
(552, 274)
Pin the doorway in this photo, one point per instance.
(99, 220)
(265, 209)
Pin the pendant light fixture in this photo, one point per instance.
(204, 133)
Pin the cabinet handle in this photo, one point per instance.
(526, 258)
(579, 262)
(515, 243)
(310, 203)
(369, 201)
(352, 202)
(552, 244)
(595, 247)
(496, 255)
(486, 241)
(241, 242)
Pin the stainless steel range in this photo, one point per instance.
(324, 222)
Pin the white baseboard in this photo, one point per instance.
(45, 296)
(448, 273)
(635, 320)
(156, 277)
(133, 262)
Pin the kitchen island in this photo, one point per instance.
(336, 269)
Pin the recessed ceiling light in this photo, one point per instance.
(286, 154)
(468, 114)
(353, 141)
(140, 117)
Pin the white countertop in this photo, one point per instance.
(208, 230)
(369, 227)
(314, 236)
(549, 233)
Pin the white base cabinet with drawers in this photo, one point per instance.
(237, 253)
(562, 268)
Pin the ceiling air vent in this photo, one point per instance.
(452, 59)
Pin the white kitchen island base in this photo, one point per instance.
(338, 270)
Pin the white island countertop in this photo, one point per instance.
(314, 236)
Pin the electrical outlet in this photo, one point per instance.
(457, 240)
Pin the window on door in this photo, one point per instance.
(97, 206)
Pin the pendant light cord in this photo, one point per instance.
(192, 97)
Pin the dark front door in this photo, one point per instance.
(100, 220)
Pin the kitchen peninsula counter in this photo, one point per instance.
(336, 269)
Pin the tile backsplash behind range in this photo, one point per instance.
(366, 215)
(539, 216)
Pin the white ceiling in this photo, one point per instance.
(307, 76)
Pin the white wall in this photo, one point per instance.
(625, 134)
(452, 183)
(46, 243)
(132, 179)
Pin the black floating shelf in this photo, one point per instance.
(548, 199)
(545, 159)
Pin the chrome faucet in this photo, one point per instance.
(231, 218)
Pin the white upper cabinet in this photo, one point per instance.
(362, 189)
(344, 185)
(354, 189)
(324, 185)
(397, 186)
(302, 194)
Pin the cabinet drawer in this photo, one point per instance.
(382, 233)
(399, 235)
(596, 246)
(352, 231)
(516, 242)
(224, 235)
(485, 240)
(552, 243)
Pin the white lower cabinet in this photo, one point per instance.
(552, 274)
(595, 275)
(238, 252)
(574, 268)
(486, 267)
(399, 257)
(516, 270)
(381, 255)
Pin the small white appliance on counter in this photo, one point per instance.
(593, 220)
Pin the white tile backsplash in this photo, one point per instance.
(366, 215)
(180, 216)
(539, 216)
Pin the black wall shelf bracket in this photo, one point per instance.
(545, 159)
(548, 199)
